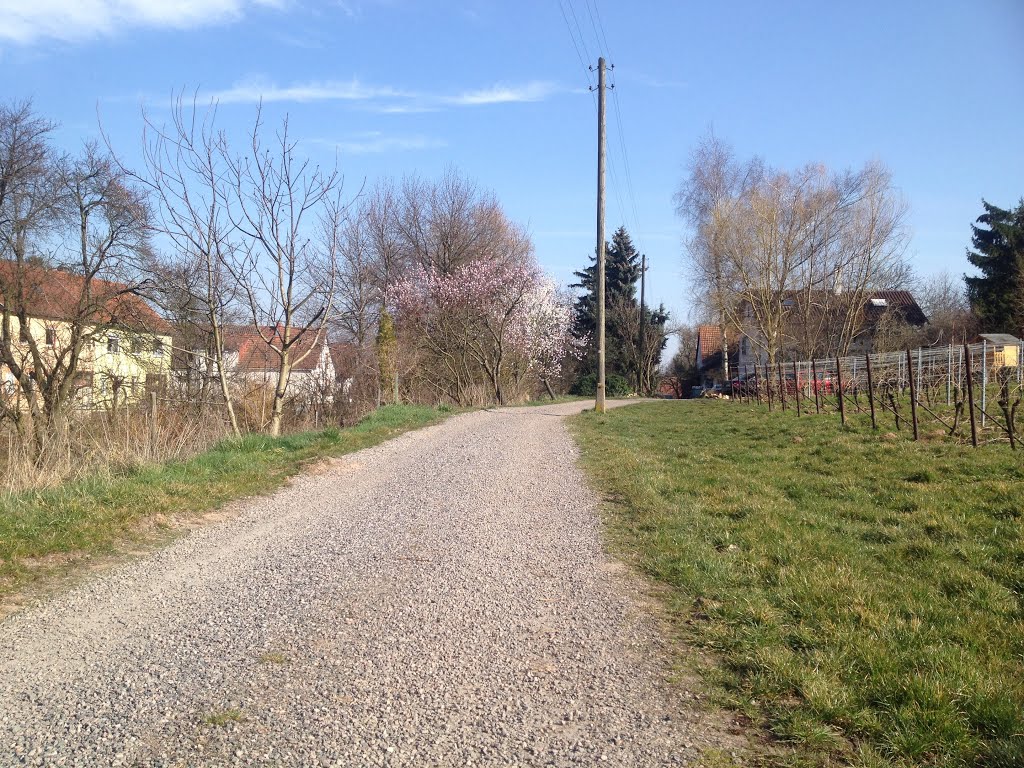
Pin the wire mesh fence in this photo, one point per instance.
(970, 392)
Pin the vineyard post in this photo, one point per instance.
(839, 383)
(871, 391)
(970, 396)
(796, 387)
(913, 392)
(949, 375)
(984, 380)
(814, 379)
(782, 389)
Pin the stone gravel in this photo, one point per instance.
(442, 599)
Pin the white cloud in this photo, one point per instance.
(25, 21)
(381, 99)
(504, 94)
(253, 91)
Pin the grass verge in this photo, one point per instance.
(863, 598)
(42, 530)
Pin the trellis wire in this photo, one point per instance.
(927, 384)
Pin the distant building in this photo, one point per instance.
(126, 345)
(809, 331)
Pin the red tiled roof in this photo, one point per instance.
(709, 340)
(53, 294)
(255, 354)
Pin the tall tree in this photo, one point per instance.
(791, 257)
(622, 273)
(997, 296)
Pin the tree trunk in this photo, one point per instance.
(280, 390)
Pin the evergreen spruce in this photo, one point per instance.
(997, 296)
(622, 276)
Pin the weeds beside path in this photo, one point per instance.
(42, 530)
(864, 599)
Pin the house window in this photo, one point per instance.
(158, 347)
(113, 345)
(51, 337)
(136, 345)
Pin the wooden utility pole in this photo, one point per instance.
(642, 366)
(599, 400)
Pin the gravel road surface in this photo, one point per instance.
(442, 599)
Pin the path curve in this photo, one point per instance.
(441, 599)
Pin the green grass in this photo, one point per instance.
(862, 599)
(225, 717)
(39, 530)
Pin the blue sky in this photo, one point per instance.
(498, 90)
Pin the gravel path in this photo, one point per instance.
(439, 600)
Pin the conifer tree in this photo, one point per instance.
(997, 296)
(622, 274)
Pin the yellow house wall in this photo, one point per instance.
(130, 368)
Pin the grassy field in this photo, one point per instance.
(861, 598)
(42, 530)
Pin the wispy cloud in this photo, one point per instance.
(505, 94)
(380, 98)
(374, 142)
(249, 92)
(25, 22)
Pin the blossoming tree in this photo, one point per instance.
(485, 327)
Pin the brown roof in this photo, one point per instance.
(901, 301)
(255, 353)
(53, 294)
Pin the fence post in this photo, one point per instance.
(984, 380)
(796, 387)
(839, 383)
(949, 376)
(814, 383)
(871, 391)
(782, 389)
(152, 423)
(970, 396)
(913, 392)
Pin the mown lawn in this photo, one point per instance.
(97, 516)
(862, 598)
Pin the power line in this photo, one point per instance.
(568, 26)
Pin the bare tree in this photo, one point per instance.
(72, 232)
(359, 291)
(791, 258)
(290, 215)
(186, 172)
(943, 298)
